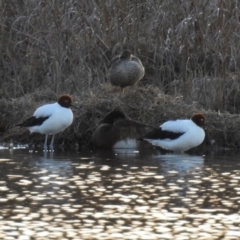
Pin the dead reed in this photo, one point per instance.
(190, 50)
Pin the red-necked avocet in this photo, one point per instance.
(178, 135)
(51, 119)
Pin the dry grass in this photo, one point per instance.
(146, 104)
(190, 50)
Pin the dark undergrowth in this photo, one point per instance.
(146, 104)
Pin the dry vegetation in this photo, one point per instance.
(190, 50)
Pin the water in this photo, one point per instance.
(118, 195)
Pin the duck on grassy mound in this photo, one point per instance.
(178, 135)
(118, 131)
(51, 119)
(126, 70)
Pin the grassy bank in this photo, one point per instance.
(146, 104)
(190, 50)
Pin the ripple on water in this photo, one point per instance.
(150, 198)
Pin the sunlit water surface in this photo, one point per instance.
(118, 195)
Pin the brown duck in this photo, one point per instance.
(125, 70)
(119, 131)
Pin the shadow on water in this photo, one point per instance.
(123, 194)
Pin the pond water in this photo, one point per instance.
(118, 195)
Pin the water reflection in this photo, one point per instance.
(180, 163)
(118, 195)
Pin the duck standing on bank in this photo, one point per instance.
(51, 119)
(118, 131)
(178, 135)
(126, 70)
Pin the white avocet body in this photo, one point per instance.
(178, 135)
(51, 119)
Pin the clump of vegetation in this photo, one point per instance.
(146, 104)
(190, 50)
